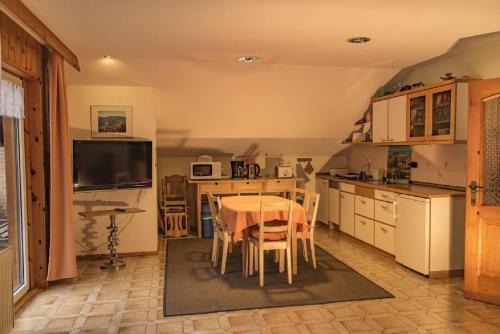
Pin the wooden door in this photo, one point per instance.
(482, 246)
(416, 116)
(441, 113)
(379, 121)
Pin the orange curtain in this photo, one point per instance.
(62, 249)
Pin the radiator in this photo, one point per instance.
(6, 296)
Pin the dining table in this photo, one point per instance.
(240, 212)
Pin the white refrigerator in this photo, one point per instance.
(413, 232)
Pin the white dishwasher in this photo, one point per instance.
(413, 232)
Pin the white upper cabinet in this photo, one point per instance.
(396, 130)
(379, 121)
(389, 120)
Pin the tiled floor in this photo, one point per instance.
(130, 301)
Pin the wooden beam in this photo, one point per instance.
(23, 13)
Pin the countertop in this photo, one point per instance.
(419, 190)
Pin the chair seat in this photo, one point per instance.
(254, 231)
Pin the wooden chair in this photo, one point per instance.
(174, 205)
(271, 235)
(220, 233)
(311, 212)
(301, 196)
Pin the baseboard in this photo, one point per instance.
(447, 273)
(100, 256)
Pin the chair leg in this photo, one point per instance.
(289, 263)
(256, 259)
(313, 251)
(244, 256)
(276, 256)
(250, 258)
(230, 246)
(214, 247)
(282, 260)
(261, 266)
(224, 255)
(304, 249)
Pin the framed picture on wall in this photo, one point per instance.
(111, 121)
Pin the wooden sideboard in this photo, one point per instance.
(239, 186)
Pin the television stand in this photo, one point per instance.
(114, 262)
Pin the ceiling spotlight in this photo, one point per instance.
(358, 40)
(249, 59)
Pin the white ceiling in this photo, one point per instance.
(304, 96)
(296, 32)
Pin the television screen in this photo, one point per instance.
(111, 164)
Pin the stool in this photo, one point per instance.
(176, 225)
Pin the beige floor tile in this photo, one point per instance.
(206, 324)
(170, 328)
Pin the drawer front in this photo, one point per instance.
(384, 237)
(364, 206)
(384, 195)
(216, 187)
(384, 212)
(364, 229)
(279, 185)
(248, 186)
(348, 188)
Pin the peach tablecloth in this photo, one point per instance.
(240, 212)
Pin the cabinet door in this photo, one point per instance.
(396, 119)
(347, 213)
(322, 189)
(416, 116)
(379, 121)
(334, 205)
(442, 113)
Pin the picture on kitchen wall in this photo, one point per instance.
(111, 121)
(399, 164)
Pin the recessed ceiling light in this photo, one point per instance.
(107, 57)
(358, 40)
(249, 59)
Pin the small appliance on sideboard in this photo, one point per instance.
(253, 171)
(284, 172)
(206, 170)
(237, 169)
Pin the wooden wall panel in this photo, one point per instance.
(20, 51)
(34, 141)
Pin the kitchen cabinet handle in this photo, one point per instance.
(390, 139)
(363, 222)
(384, 196)
(383, 230)
(363, 202)
(385, 207)
(248, 182)
(216, 183)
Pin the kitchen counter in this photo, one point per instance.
(412, 189)
(228, 179)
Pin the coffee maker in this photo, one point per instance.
(237, 169)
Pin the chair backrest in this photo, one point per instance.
(301, 196)
(267, 226)
(214, 204)
(312, 212)
(174, 189)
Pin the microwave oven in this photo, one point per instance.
(205, 170)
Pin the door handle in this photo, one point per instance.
(474, 188)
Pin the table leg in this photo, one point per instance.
(244, 254)
(294, 248)
(113, 261)
(198, 211)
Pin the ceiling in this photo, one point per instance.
(293, 32)
(304, 96)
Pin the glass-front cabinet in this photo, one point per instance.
(416, 118)
(431, 114)
(442, 113)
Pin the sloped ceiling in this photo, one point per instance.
(301, 99)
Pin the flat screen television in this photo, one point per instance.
(111, 164)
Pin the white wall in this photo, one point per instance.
(138, 232)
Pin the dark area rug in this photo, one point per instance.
(193, 286)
